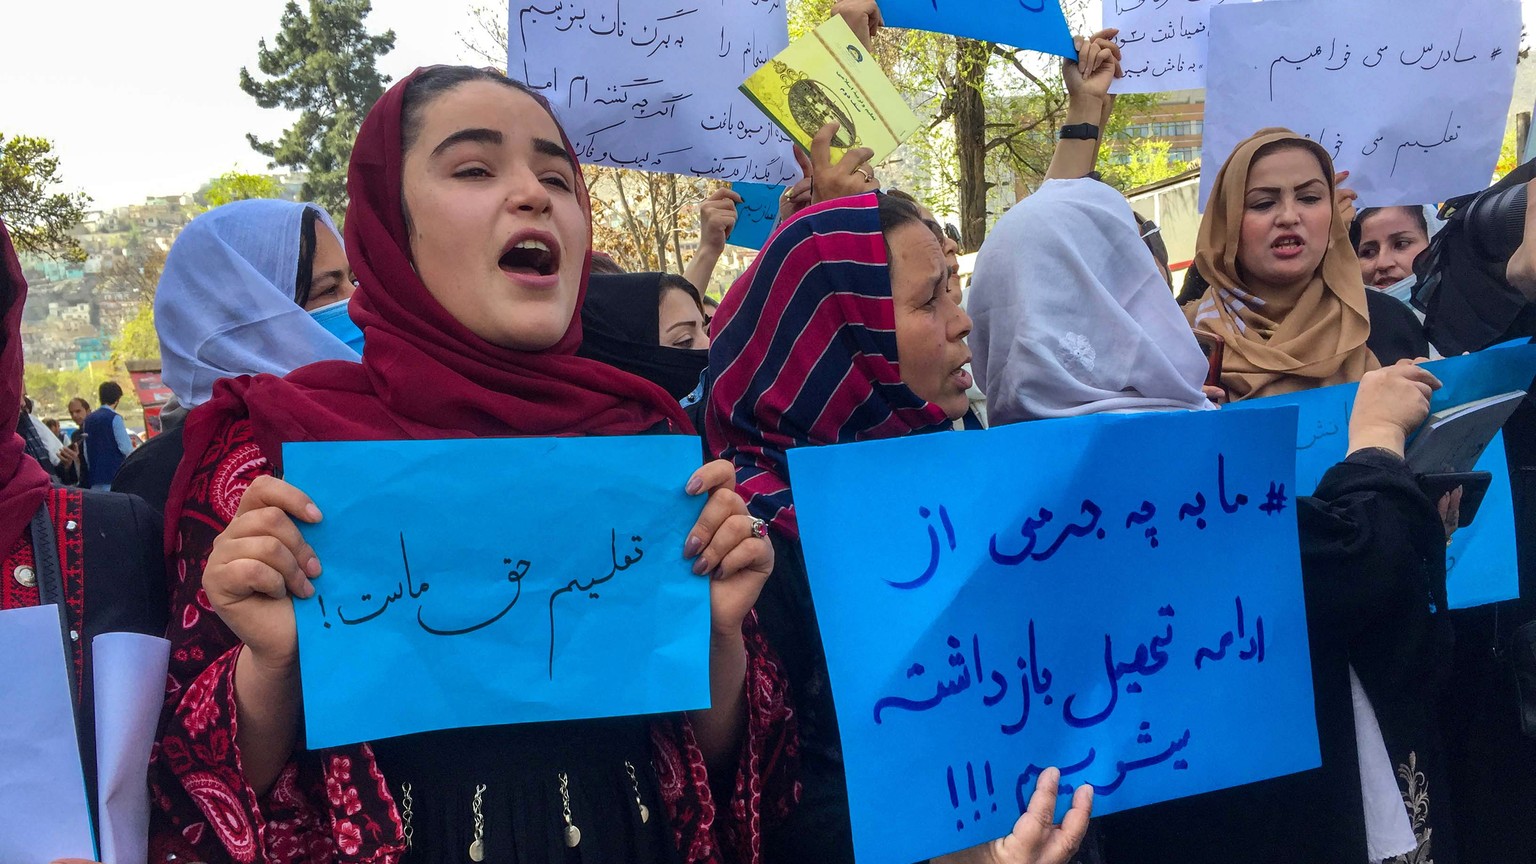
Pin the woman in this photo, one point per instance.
(96, 555)
(1387, 240)
(250, 287)
(469, 229)
(844, 329)
(651, 325)
(1073, 318)
(1285, 291)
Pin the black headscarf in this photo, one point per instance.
(620, 322)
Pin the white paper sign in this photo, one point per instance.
(43, 809)
(651, 84)
(1409, 96)
(129, 673)
(1163, 42)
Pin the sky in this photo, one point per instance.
(143, 98)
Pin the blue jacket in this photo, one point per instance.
(102, 454)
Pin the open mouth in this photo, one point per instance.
(1288, 246)
(531, 255)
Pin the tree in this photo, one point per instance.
(39, 219)
(235, 186)
(138, 340)
(1148, 161)
(324, 65)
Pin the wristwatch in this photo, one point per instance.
(1079, 132)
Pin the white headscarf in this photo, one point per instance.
(1072, 315)
(225, 303)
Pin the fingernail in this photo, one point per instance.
(695, 485)
(700, 566)
(313, 512)
(692, 547)
(312, 567)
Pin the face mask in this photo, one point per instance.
(1403, 289)
(338, 323)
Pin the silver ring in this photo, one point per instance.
(759, 528)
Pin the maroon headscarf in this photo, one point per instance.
(23, 482)
(424, 374)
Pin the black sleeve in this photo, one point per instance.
(149, 470)
(1372, 545)
(125, 585)
(1396, 333)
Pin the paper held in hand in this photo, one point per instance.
(826, 76)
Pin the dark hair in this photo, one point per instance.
(674, 282)
(1357, 227)
(306, 272)
(603, 263)
(111, 393)
(896, 211)
(1194, 288)
(81, 400)
(434, 81)
(904, 197)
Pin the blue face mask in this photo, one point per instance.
(338, 323)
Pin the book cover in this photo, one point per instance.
(827, 75)
(1452, 440)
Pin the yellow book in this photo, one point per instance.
(827, 75)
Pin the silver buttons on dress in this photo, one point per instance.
(25, 576)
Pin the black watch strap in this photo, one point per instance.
(1079, 132)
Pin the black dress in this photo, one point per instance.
(1492, 762)
(1373, 572)
(149, 470)
(1396, 333)
(526, 792)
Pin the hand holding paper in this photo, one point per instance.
(1390, 405)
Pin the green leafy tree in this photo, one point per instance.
(236, 186)
(138, 341)
(325, 66)
(1148, 161)
(38, 218)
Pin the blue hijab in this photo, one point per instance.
(225, 303)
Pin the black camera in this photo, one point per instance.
(1462, 290)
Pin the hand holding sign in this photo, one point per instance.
(849, 176)
(1035, 838)
(257, 561)
(717, 218)
(1096, 68)
(863, 17)
(1391, 404)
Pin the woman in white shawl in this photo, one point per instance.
(1072, 317)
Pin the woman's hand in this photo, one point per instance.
(1392, 402)
(1217, 395)
(717, 218)
(796, 197)
(1035, 838)
(863, 17)
(1097, 67)
(722, 544)
(1344, 199)
(257, 562)
(1449, 506)
(849, 176)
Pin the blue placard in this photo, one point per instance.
(1061, 592)
(755, 215)
(1481, 562)
(474, 583)
(1039, 25)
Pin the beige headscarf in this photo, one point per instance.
(1279, 342)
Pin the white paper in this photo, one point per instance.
(1163, 44)
(1388, 833)
(1409, 96)
(651, 84)
(129, 673)
(43, 809)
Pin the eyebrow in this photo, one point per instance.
(682, 324)
(478, 136)
(546, 147)
(1275, 190)
(326, 275)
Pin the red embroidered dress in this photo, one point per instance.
(339, 806)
